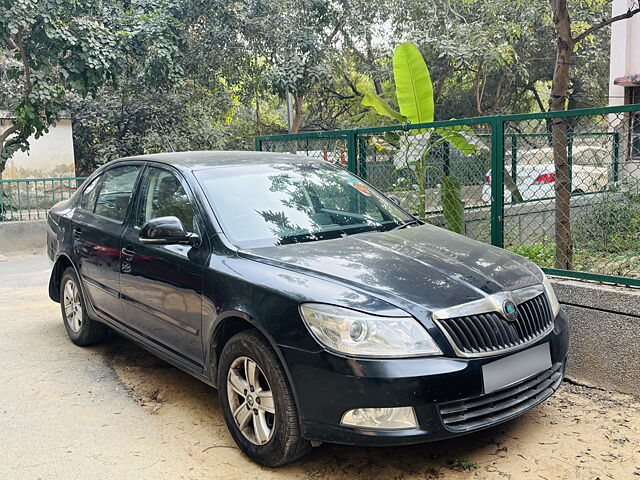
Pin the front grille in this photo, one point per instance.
(491, 332)
(485, 410)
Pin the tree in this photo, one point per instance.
(57, 47)
(566, 41)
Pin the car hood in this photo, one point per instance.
(424, 265)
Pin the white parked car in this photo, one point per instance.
(536, 177)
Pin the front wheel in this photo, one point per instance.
(81, 329)
(257, 402)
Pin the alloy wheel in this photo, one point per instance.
(72, 306)
(251, 400)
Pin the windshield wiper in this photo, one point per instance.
(406, 224)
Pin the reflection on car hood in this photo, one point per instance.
(425, 265)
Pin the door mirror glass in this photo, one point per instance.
(167, 231)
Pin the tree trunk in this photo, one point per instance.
(297, 115)
(4, 135)
(564, 50)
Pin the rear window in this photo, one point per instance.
(115, 192)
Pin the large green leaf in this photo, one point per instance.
(413, 84)
(463, 139)
(452, 204)
(381, 107)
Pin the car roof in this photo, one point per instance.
(577, 148)
(207, 159)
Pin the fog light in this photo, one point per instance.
(381, 418)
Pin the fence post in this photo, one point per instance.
(616, 156)
(497, 181)
(352, 154)
(258, 144)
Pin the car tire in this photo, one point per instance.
(82, 330)
(268, 438)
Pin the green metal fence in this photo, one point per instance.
(30, 199)
(562, 188)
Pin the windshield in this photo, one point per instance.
(275, 204)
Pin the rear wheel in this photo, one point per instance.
(257, 402)
(81, 329)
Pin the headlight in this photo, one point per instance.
(360, 334)
(551, 295)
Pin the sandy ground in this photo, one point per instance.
(117, 412)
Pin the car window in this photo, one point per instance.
(115, 192)
(274, 204)
(163, 196)
(88, 199)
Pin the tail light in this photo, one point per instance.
(487, 180)
(545, 178)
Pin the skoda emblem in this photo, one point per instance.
(510, 310)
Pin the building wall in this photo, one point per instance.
(49, 156)
(625, 49)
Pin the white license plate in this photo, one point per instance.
(515, 368)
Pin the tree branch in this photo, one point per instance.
(4, 135)
(11, 44)
(352, 86)
(25, 64)
(630, 13)
(334, 32)
(536, 95)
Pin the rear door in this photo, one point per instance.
(162, 284)
(98, 224)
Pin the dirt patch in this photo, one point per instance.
(580, 433)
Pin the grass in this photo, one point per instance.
(463, 465)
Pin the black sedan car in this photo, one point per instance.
(319, 309)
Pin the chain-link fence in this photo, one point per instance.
(562, 189)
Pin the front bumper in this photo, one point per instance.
(327, 385)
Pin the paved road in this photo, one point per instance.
(116, 412)
(63, 412)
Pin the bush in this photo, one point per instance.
(611, 223)
(542, 252)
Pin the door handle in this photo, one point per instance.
(128, 253)
(77, 232)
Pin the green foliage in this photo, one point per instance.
(413, 84)
(452, 204)
(154, 75)
(542, 252)
(65, 46)
(463, 465)
(382, 107)
(610, 223)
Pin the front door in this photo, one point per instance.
(162, 284)
(98, 225)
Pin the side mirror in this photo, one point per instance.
(394, 199)
(167, 231)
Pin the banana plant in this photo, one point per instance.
(414, 93)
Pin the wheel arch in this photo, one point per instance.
(229, 324)
(62, 263)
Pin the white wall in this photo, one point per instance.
(625, 49)
(49, 156)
